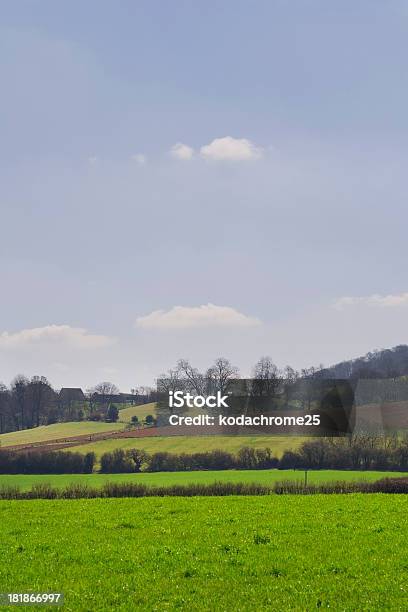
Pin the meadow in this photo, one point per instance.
(264, 477)
(192, 444)
(343, 552)
(44, 433)
(141, 411)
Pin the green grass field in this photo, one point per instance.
(58, 430)
(343, 552)
(125, 414)
(265, 477)
(74, 428)
(192, 444)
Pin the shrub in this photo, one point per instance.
(89, 462)
(120, 461)
(57, 462)
(127, 489)
(164, 462)
(256, 458)
(112, 414)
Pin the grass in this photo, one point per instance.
(74, 428)
(125, 414)
(58, 430)
(234, 553)
(192, 444)
(264, 477)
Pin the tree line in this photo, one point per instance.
(135, 460)
(28, 403)
(361, 452)
(108, 490)
(365, 451)
(384, 363)
(52, 462)
(31, 402)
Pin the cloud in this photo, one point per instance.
(230, 149)
(372, 300)
(207, 315)
(139, 158)
(181, 151)
(74, 337)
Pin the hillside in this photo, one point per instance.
(57, 431)
(141, 411)
(384, 363)
(72, 429)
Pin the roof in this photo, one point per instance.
(71, 394)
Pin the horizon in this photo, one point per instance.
(146, 388)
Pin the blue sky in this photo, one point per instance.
(195, 179)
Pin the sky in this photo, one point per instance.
(200, 179)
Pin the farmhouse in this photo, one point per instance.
(71, 394)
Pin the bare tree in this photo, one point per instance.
(308, 372)
(170, 381)
(290, 377)
(195, 380)
(267, 377)
(221, 374)
(103, 392)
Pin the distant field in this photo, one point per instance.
(125, 414)
(264, 477)
(59, 430)
(74, 428)
(192, 444)
(342, 552)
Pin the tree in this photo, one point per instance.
(89, 462)
(220, 375)
(195, 380)
(170, 381)
(19, 398)
(134, 420)
(290, 376)
(40, 395)
(4, 407)
(139, 458)
(113, 414)
(103, 392)
(167, 383)
(267, 377)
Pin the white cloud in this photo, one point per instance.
(220, 149)
(372, 300)
(207, 315)
(139, 158)
(181, 151)
(230, 149)
(74, 337)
